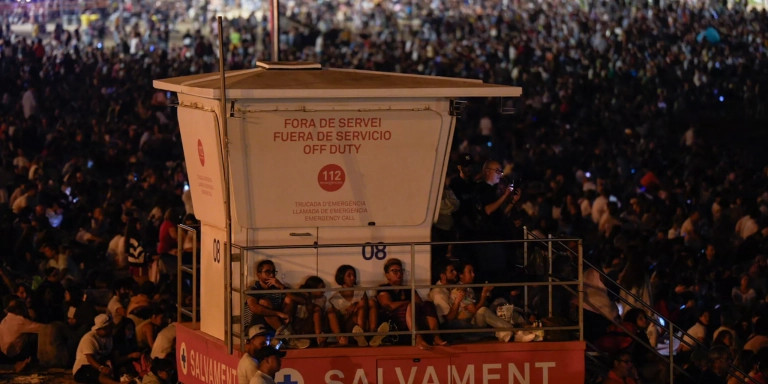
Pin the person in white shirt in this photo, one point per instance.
(92, 357)
(269, 363)
(14, 331)
(165, 342)
(248, 367)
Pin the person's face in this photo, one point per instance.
(21, 292)
(105, 331)
(350, 278)
(642, 322)
(274, 365)
(720, 365)
(710, 252)
(395, 275)
(157, 319)
(624, 366)
(493, 172)
(318, 293)
(451, 276)
(467, 275)
(267, 272)
(744, 281)
(257, 342)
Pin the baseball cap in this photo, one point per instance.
(256, 330)
(113, 306)
(100, 321)
(268, 351)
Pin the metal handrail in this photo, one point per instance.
(683, 337)
(413, 286)
(180, 309)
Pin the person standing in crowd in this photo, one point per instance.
(270, 361)
(599, 310)
(493, 202)
(247, 367)
(136, 256)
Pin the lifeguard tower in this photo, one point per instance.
(313, 168)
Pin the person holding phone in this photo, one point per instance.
(492, 209)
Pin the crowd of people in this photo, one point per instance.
(637, 132)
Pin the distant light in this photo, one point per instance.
(588, 174)
(721, 99)
(489, 144)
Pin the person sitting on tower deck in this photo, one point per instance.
(396, 303)
(268, 307)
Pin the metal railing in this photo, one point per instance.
(673, 332)
(572, 285)
(191, 269)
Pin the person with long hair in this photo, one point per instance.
(351, 309)
(635, 280)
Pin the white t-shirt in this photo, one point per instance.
(339, 302)
(92, 344)
(262, 378)
(164, 342)
(247, 368)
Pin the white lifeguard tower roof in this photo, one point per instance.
(310, 81)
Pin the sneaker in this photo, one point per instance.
(524, 336)
(504, 336)
(291, 343)
(361, 342)
(128, 379)
(298, 343)
(376, 340)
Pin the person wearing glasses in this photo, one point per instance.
(493, 203)
(270, 307)
(623, 371)
(267, 307)
(396, 305)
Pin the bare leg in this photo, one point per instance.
(420, 342)
(317, 320)
(333, 322)
(373, 315)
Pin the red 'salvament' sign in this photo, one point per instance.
(203, 359)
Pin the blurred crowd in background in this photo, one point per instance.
(639, 131)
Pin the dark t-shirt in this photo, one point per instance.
(274, 296)
(489, 227)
